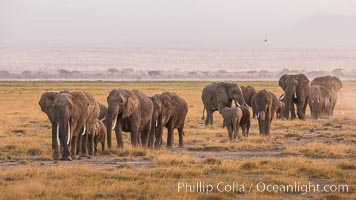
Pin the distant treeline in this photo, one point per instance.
(132, 74)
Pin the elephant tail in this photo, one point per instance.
(203, 117)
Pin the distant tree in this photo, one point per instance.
(26, 74)
(338, 72)
(154, 73)
(193, 73)
(63, 72)
(5, 74)
(127, 71)
(113, 71)
(76, 73)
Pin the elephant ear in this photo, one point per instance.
(337, 83)
(282, 81)
(131, 105)
(221, 94)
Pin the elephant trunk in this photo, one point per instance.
(289, 96)
(111, 120)
(64, 135)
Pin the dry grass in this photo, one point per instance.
(318, 151)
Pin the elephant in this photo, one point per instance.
(265, 105)
(218, 95)
(46, 103)
(297, 90)
(99, 135)
(245, 121)
(320, 101)
(333, 84)
(170, 111)
(280, 109)
(129, 111)
(75, 111)
(232, 117)
(248, 93)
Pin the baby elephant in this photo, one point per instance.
(232, 118)
(99, 135)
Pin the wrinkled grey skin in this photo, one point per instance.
(232, 117)
(170, 111)
(297, 90)
(132, 111)
(333, 84)
(320, 102)
(248, 93)
(245, 121)
(99, 135)
(218, 95)
(75, 110)
(265, 105)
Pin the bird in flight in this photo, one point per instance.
(266, 40)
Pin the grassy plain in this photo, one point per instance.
(321, 152)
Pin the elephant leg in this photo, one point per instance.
(209, 116)
(151, 136)
(134, 135)
(305, 106)
(211, 122)
(79, 145)
(170, 138)
(55, 148)
(261, 126)
(74, 147)
(118, 133)
(91, 143)
(267, 123)
(103, 144)
(147, 133)
(229, 131)
(332, 108)
(243, 127)
(236, 129)
(95, 148)
(181, 133)
(84, 152)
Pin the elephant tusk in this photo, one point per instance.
(318, 101)
(104, 118)
(247, 105)
(295, 95)
(237, 103)
(282, 97)
(58, 134)
(156, 123)
(84, 129)
(258, 114)
(68, 133)
(114, 123)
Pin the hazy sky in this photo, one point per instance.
(155, 23)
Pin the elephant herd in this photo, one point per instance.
(80, 122)
(320, 94)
